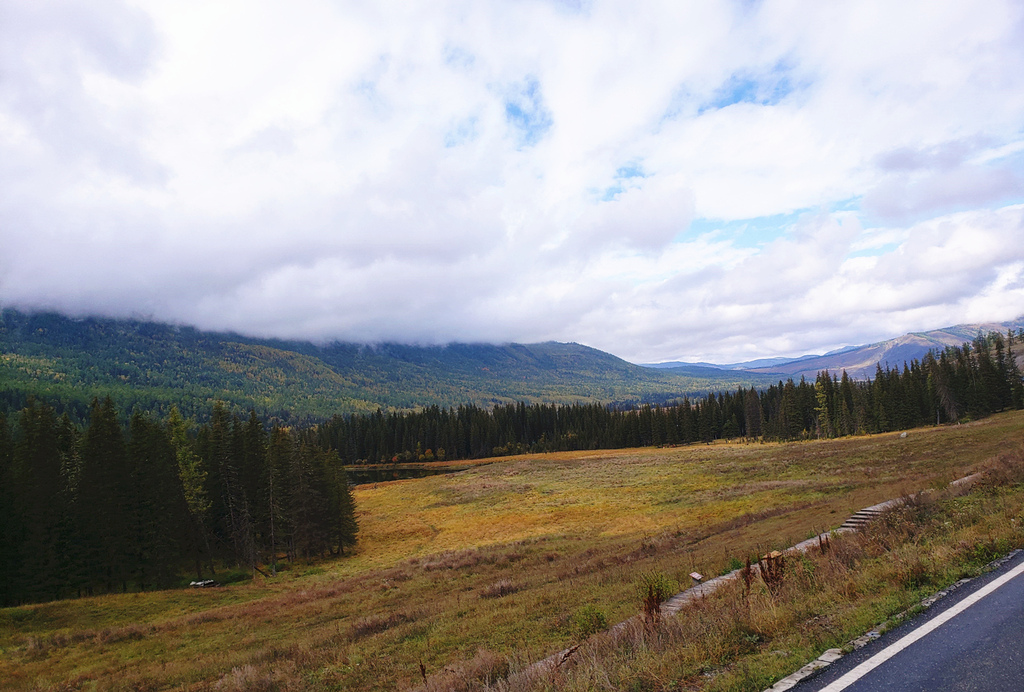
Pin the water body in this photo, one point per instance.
(362, 475)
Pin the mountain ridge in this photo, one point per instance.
(150, 366)
(860, 362)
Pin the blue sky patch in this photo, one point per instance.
(763, 90)
(455, 56)
(876, 251)
(624, 174)
(747, 232)
(462, 132)
(525, 111)
(630, 170)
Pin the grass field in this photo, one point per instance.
(480, 572)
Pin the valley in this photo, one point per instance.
(487, 569)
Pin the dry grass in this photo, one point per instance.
(744, 637)
(502, 587)
(566, 530)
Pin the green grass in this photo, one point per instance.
(480, 572)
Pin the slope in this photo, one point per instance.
(150, 366)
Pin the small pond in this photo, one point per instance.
(361, 475)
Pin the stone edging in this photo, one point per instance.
(832, 655)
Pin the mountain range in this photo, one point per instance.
(149, 366)
(859, 362)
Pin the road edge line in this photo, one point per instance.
(832, 655)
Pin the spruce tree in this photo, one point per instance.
(280, 451)
(8, 514)
(103, 501)
(158, 509)
(192, 475)
(342, 526)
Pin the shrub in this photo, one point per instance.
(589, 620)
(653, 588)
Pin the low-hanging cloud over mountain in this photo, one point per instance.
(664, 181)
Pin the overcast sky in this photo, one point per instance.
(665, 181)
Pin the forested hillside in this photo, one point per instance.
(149, 367)
(958, 383)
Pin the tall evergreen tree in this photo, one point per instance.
(158, 510)
(280, 451)
(192, 475)
(103, 497)
(341, 524)
(9, 518)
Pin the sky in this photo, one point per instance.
(695, 181)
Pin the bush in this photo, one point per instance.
(589, 620)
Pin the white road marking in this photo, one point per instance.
(893, 649)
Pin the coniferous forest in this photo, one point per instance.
(109, 507)
(105, 508)
(956, 384)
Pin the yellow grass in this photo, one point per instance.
(646, 491)
(499, 557)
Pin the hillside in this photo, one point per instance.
(151, 366)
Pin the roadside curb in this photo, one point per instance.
(832, 655)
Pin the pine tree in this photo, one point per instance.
(280, 451)
(342, 526)
(158, 509)
(192, 475)
(103, 495)
(1013, 374)
(8, 514)
(752, 413)
(824, 404)
(230, 508)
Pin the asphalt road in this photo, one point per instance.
(973, 639)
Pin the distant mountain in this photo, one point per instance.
(859, 362)
(746, 365)
(150, 366)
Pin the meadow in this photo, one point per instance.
(460, 579)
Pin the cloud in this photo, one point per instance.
(514, 172)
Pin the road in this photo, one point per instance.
(973, 639)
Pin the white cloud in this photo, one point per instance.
(496, 171)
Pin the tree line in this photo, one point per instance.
(969, 381)
(104, 507)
